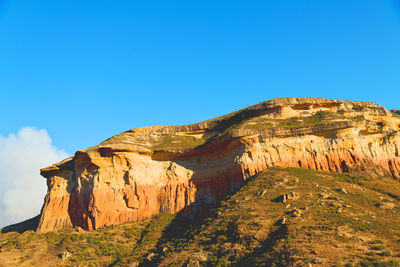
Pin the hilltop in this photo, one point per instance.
(188, 169)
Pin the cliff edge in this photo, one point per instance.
(149, 170)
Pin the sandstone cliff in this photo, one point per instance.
(145, 171)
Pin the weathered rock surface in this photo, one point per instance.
(294, 212)
(145, 171)
(385, 205)
(287, 197)
(65, 255)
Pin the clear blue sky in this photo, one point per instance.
(86, 70)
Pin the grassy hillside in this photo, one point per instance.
(282, 217)
(111, 246)
(330, 220)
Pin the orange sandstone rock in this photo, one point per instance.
(187, 169)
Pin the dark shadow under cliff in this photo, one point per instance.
(30, 224)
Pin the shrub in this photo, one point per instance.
(358, 108)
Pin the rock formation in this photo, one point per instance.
(145, 171)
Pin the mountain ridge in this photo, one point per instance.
(189, 168)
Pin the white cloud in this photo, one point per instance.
(22, 189)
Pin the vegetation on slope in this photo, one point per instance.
(175, 141)
(257, 123)
(336, 220)
(111, 246)
(281, 217)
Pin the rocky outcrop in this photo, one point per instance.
(145, 171)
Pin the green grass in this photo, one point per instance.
(234, 122)
(317, 119)
(172, 141)
(259, 123)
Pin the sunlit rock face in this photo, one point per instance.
(187, 169)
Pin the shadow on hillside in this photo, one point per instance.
(181, 231)
(268, 253)
(30, 224)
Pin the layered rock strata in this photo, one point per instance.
(145, 171)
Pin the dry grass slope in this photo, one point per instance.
(336, 220)
(325, 219)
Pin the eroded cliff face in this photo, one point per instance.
(144, 171)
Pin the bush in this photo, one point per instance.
(358, 108)
(378, 247)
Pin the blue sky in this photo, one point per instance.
(86, 70)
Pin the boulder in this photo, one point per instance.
(281, 221)
(342, 190)
(288, 197)
(295, 212)
(150, 256)
(324, 195)
(385, 205)
(65, 255)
